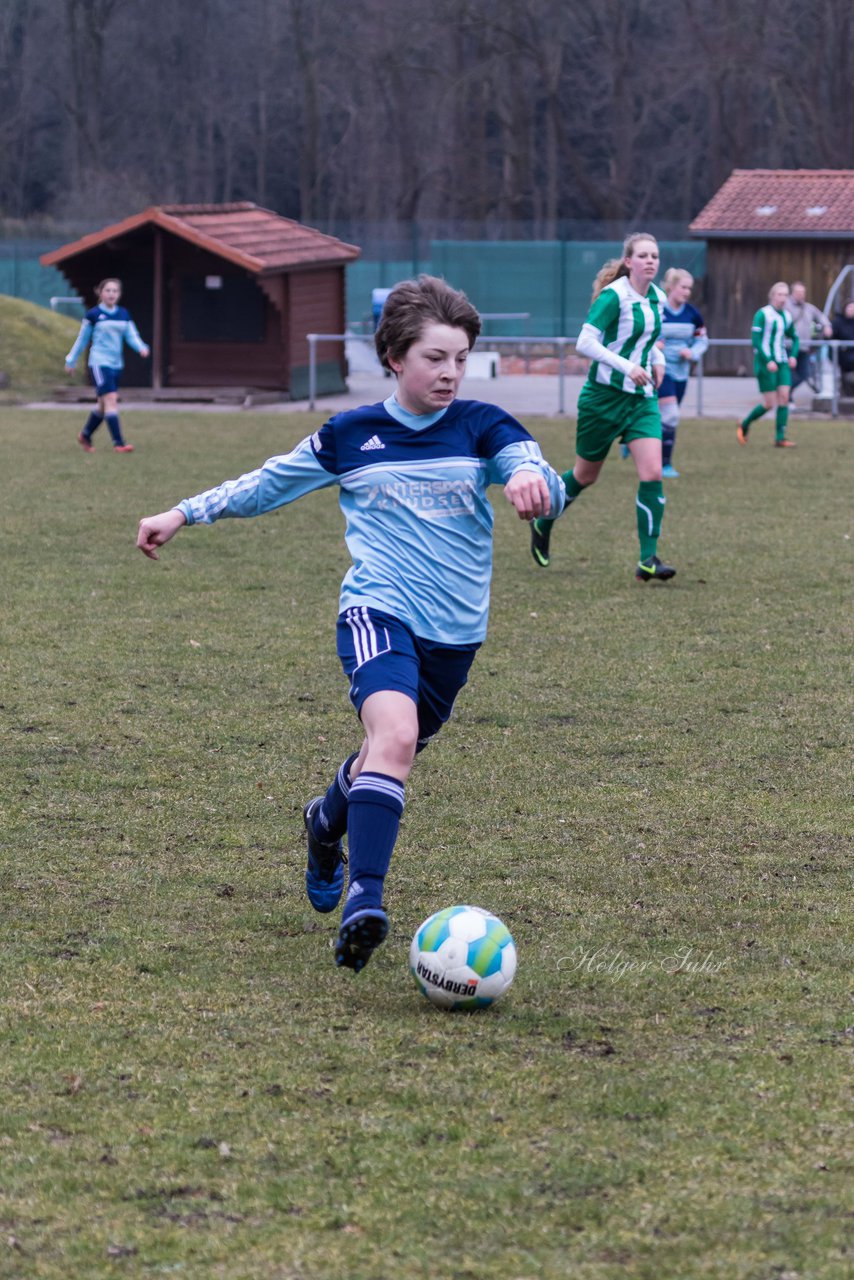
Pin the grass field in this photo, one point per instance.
(650, 784)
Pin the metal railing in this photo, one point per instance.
(561, 344)
(834, 346)
(58, 298)
(367, 325)
(505, 315)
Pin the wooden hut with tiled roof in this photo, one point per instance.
(765, 225)
(225, 294)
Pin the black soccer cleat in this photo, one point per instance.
(324, 872)
(359, 937)
(540, 539)
(653, 568)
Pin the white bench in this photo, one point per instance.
(482, 364)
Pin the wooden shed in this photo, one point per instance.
(224, 294)
(765, 225)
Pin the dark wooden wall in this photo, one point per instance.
(739, 274)
(205, 361)
(316, 306)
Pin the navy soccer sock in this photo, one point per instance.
(93, 422)
(669, 423)
(330, 819)
(376, 805)
(115, 428)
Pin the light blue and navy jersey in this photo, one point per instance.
(772, 329)
(680, 329)
(109, 331)
(413, 493)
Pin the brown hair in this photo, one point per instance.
(411, 305)
(616, 267)
(99, 288)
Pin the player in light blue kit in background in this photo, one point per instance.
(684, 341)
(412, 473)
(107, 327)
(378, 301)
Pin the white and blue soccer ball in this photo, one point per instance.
(463, 958)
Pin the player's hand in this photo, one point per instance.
(155, 530)
(657, 375)
(771, 366)
(69, 369)
(145, 352)
(528, 492)
(792, 362)
(639, 376)
(686, 353)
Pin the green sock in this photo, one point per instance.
(756, 412)
(573, 489)
(780, 422)
(650, 509)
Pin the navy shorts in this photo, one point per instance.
(672, 387)
(379, 653)
(104, 378)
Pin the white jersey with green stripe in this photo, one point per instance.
(771, 329)
(624, 326)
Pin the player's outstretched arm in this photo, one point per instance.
(155, 530)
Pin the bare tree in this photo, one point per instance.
(489, 112)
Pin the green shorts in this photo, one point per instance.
(781, 377)
(606, 414)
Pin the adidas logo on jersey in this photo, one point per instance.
(373, 443)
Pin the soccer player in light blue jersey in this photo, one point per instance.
(412, 474)
(684, 341)
(106, 327)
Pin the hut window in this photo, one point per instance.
(234, 311)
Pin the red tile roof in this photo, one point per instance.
(257, 239)
(796, 203)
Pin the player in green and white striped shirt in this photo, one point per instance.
(773, 327)
(618, 400)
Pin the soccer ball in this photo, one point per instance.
(462, 958)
